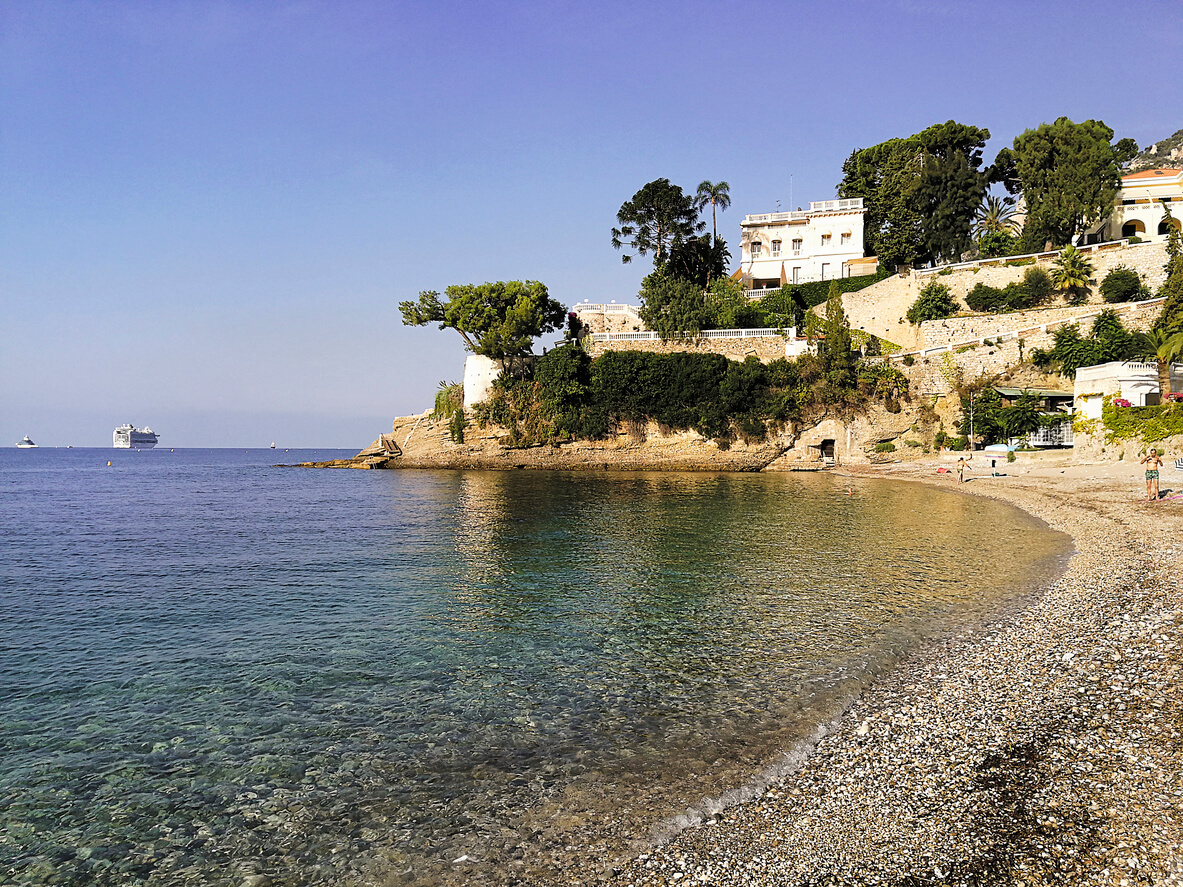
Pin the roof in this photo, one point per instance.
(1038, 392)
(1152, 175)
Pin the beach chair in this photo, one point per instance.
(1179, 464)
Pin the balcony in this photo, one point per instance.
(816, 207)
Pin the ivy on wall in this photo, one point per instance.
(1146, 424)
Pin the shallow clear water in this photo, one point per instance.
(212, 668)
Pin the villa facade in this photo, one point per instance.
(1138, 211)
(1135, 381)
(821, 243)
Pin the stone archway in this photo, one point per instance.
(1133, 228)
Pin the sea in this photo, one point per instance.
(218, 671)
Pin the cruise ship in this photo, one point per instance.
(127, 437)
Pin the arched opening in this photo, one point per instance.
(1133, 228)
(1162, 226)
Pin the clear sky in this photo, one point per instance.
(209, 210)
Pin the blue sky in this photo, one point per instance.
(210, 210)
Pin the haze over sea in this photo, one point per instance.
(216, 671)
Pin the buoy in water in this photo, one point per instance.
(108, 464)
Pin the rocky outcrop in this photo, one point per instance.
(425, 442)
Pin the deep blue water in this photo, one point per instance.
(212, 668)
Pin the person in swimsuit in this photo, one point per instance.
(1152, 462)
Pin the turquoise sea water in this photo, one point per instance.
(212, 669)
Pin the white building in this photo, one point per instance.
(1139, 208)
(1136, 382)
(799, 247)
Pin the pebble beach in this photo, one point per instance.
(1045, 748)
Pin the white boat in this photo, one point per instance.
(26, 443)
(127, 437)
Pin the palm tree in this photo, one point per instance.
(1165, 348)
(1071, 272)
(717, 194)
(996, 215)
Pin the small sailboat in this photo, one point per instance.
(26, 443)
(273, 445)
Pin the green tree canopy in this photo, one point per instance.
(657, 218)
(1069, 174)
(698, 259)
(497, 320)
(837, 357)
(920, 192)
(673, 307)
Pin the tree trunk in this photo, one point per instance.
(1164, 379)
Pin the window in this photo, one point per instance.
(796, 274)
(826, 269)
(755, 249)
(825, 240)
(845, 238)
(776, 247)
(797, 244)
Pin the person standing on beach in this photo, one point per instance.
(1152, 462)
(960, 469)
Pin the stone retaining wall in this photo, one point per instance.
(881, 308)
(766, 348)
(938, 333)
(1147, 259)
(928, 374)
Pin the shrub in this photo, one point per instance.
(985, 298)
(885, 447)
(1038, 284)
(909, 360)
(818, 291)
(934, 303)
(959, 443)
(1123, 285)
(448, 399)
(1010, 455)
(456, 427)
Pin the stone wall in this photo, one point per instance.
(929, 374)
(952, 330)
(766, 348)
(881, 308)
(1147, 259)
(605, 319)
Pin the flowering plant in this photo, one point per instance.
(1121, 402)
(1175, 397)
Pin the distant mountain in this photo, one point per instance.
(1168, 152)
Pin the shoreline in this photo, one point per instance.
(1045, 748)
